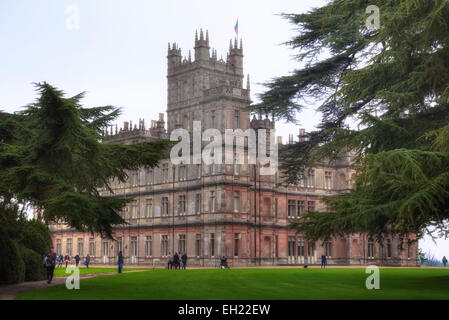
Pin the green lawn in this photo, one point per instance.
(256, 284)
(60, 272)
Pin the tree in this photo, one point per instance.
(52, 157)
(383, 95)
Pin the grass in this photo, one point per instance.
(60, 272)
(270, 284)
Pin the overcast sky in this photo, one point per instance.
(116, 51)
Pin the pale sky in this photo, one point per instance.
(116, 51)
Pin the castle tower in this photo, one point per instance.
(202, 46)
(206, 89)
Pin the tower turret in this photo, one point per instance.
(202, 46)
(236, 57)
(173, 56)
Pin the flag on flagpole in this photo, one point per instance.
(236, 28)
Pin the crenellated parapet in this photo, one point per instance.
(205, 56)
(138, 133)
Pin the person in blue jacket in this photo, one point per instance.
(120, 262)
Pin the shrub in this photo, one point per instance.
(12, 267)
(36, 236)
(34, 269)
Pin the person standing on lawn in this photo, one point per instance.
(87, 261)
(323, 261)
(169, 261)
(66, 259)
(175, 260)
(184, 260)
(50, 263)
(120, 262)
(77, 260)
(444, 261)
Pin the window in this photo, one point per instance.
(198, 171)
(134, 178)
(198, 203)
(409, 251)
(182, 243)
(124, 213)
(212, 201)
(291, 246)
(134, 210)
(388, 248)
(266, 209)
(149, 208)
(291, 208)
(370, 249)
(133, 251)
(236, 201)
(212, 245)
(301, 207)
(212, 166)
(198, 245)
(92, 247)
(311, 179)
(105, 248)
(58, 247)
(148, 246)
(149, 176)
(164, 245)
(69, 247)
(80, 247)
(212, 115)
(310, 248)
(236, 119)
(182, 172)
(327, 180)
(236, 244)
(181, 205)
(328, 246)
(236, 164)
(165, 172)
(165, 206)
(301, 247)
(310, 205)
(119, 244)
(275, 207)
(302, 180)
(276, 246)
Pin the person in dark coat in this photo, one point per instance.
(50, 263)
(323, 261)
(176, 260)
(66, 260)
(184, 260)
(77, 259)
(120, 262)
(87, 261)
(223, 263)
(444, 261)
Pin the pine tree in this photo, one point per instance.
(384, 96)
(52, 157)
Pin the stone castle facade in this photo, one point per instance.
(209, 211)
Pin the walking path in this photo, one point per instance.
(9, 292)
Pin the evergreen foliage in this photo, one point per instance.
(384, 96)
(52, 158)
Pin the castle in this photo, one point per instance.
(209, 211)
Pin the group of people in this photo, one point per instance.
(52, 260)
(60, 260)
(177, 261)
